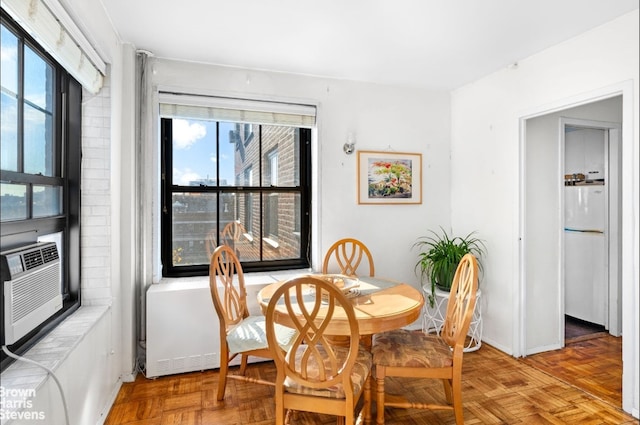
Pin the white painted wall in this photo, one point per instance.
(116, 284)
(486, 168)
(381, 118)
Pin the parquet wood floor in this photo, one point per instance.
(498, 389)
(591, 362)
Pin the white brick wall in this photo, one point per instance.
(95, 221)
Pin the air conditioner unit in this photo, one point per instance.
(32, 282)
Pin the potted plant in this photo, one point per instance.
(439, 257)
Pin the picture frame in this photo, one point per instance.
(389, 177)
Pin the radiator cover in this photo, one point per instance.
(182, 325)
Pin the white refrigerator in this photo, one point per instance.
(586, 259)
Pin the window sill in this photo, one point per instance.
(51, 352)
(273, 244)
(250, 279)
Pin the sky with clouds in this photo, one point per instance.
(194, 151)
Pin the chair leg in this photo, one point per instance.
(224, 370)
(367, 400)
(457, 401)
(283, 415)
(380, 374)
(243, 364)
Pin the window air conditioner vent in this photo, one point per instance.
(32, 259)
(49, 253)
(32, 285)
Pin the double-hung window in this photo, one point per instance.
(238, 173)
(40, 139)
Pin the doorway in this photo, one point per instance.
(578, 329)
(544, 292)
(538, 300)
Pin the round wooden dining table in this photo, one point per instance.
(380, 305)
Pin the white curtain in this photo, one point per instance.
(144, 175)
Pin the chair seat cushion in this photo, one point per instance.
(251, 334)
(360, 373)
(403, 348)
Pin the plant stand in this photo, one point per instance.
(433, 317)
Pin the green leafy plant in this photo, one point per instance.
(439, 257)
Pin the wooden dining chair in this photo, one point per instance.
(414, 354)
(348, 255)
(240, 333)
(315, 375)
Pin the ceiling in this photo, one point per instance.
(435, 44)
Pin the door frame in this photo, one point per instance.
(628, 255)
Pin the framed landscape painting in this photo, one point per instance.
(389, 177)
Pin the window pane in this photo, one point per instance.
(9, 65)
(8, 101)
(247, 207)
(38, 81)
(282, 237)
(194, 228)
(47, 201)
(240, 226)
(9, 132)
(239, 150)
(13, 201)
(38, 142)
(194, 152)
(282, 156)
